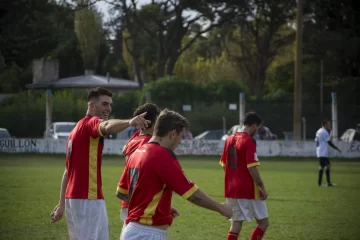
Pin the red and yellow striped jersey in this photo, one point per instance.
(83, 159)
(133, 144)
(238, 155)
(151, 174)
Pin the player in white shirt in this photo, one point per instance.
(322, 140)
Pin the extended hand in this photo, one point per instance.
(226, 210)
(174, 212)
(57, 214)
(139, 121)
(264, 194)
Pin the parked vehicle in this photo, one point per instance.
(210, 135)
(351, 134)
(263, 134)
(123, 135)
(59, 130)
(4, 133)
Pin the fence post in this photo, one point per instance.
(241, 108)
(48, 107)
(334, 116)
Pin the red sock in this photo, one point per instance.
(232, 236)
(257, 234)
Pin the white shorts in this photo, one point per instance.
(247, 209)
(136, 231)
(123, 213)
(123, 216)
(86, 219)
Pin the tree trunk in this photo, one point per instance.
(160, 68)
(171, 64)
(138, 72)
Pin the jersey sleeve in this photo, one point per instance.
(174, 177)
(94, 127)
(224, 155)
(123, 186)
(251, 156)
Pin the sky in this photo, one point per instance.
(103, 6)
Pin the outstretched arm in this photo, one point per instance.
(201, 199)
(117, 125)
(333, 146)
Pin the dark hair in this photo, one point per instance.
(169, 120)
(324, 122)
(95, 93)
(252, 118)
(152, 112)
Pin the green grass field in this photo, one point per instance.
(298, 209)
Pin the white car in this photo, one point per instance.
(59, 130)
(263, 134)
(4, 133)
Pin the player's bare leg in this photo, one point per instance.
(260, 229)
(234, 231)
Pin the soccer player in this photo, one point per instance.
(81, 194)
(137, 140)
(322, 140)
(151, 174)
(244, 189)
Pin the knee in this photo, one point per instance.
(263, 223)
(236, 227)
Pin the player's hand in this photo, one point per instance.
(57, 214)
(139, 121)
(263, 194)
(226, 210)
(174, 212)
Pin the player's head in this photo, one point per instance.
(152, 112)
(252, 122)
(100, 102)
(326, 124)
(170, 127)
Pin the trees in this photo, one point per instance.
(332, 33)
(88, 30)
(261, 29)
(159, 28)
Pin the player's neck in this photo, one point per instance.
(162, 141)
(246, 130)
(88, 112)
(147, 132)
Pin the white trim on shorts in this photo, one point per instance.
(137, 231)
(86, 219)
(247, 209)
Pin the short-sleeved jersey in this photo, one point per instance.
(151, 174)
(83, 159)
(321, 139)
(238, 155)
(133, 144)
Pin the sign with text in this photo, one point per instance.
(188, 147)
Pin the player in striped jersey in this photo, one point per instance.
(81, 194)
